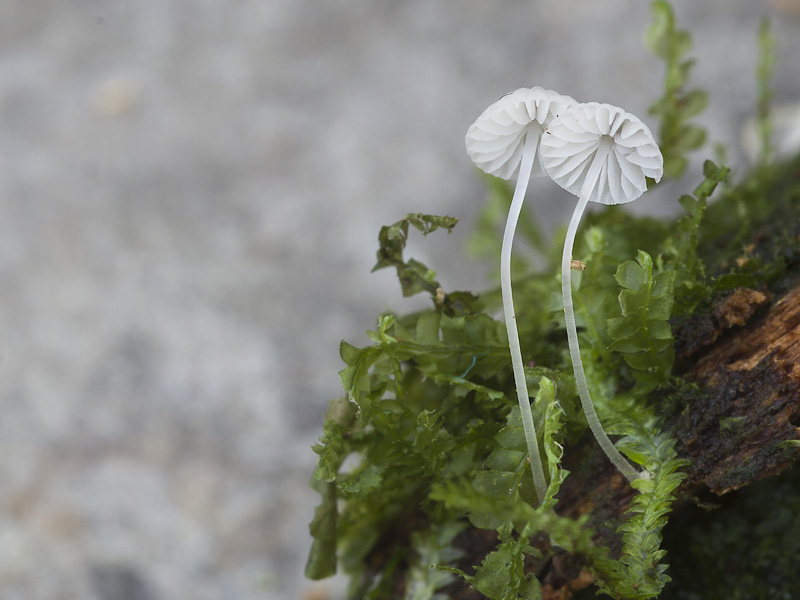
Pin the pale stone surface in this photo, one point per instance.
(190, 195)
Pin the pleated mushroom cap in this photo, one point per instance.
(591, 132)
(496, 139)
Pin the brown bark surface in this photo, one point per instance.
(750, 379)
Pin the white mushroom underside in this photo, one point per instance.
(574, 139)
(496, 139)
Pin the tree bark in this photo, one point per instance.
(750, 403)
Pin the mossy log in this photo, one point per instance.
(733, 408)
(745, 405)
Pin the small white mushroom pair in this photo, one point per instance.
(597, 152)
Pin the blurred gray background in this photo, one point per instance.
(190, 193)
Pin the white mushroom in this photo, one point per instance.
(504, 141)
(599, 153)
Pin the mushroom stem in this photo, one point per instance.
(572, 332)
(528, 155)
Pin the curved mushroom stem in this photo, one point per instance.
(572, 332)
(528, 154)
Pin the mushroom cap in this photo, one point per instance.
(496, 139)
(576, 137)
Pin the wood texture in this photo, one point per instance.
(750, 402)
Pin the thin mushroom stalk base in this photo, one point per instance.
(606, 444)
(528, 155)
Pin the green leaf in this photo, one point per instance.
(432, 440)
(712, 172)
(428, 328)
(642, 333)
(429, 223)
(361, 388)
(630, 275)
(620, 328)
(689, 137)
(660, 307)
(331, 450)
(677, 105)
(414, 276)
(633, 302)
(501, 572)
(659, 330)
(694, 102)
(506, 472)
(349, 353)
(714, 175)
(691, 205)
(663, 285)
(640, 362)
(628, 345)
(551, 427)
(363, 482)
(661, 38)
(322, 556)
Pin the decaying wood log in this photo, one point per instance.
(750, 404)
